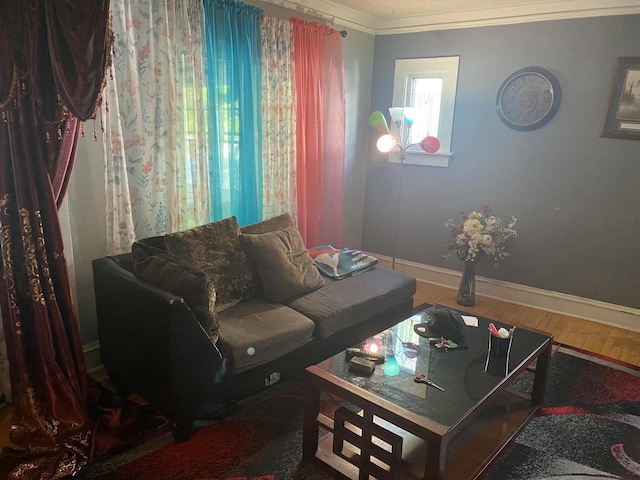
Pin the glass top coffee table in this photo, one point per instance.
(390, 427)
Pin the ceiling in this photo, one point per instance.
(382, 17)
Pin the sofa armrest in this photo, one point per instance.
(150, 341)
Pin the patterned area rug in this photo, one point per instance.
(589, 429)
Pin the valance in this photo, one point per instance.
(51, 45)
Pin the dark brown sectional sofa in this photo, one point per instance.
(152, 344)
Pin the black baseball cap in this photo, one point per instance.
(442, 322)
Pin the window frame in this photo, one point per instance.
(408, 69)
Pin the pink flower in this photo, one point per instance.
(146, 168)
(143, 53)
(137, 140)
(134, 22)
(130, 87)
(485, 207)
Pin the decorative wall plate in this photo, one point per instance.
(528, 98)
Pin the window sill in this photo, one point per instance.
(440, 159)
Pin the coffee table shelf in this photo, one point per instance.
(387, 438)
(468, 453)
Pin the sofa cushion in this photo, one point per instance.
(159, 268)
(345, 302)
(286, 269)
(255, 332)
(214, 249)
(269, 225)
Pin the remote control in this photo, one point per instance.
(361, 352)
(361, 365)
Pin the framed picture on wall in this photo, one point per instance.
(623, 114)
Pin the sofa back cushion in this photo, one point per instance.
(159, 268)
(284, 265)
(269, 225)
(215, 250)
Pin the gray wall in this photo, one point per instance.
(358, 64)
(576, 194)
(87, 209)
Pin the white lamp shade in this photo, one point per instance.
(386, 143)
(397, 114)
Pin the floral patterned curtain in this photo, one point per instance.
(278, 118)
(185, 145)
(156, 143)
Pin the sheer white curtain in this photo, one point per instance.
(155, 138)
(278, 118)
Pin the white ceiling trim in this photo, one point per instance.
(339, 15)
(506, 16)
(332, 13)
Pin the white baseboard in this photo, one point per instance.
(593, 310)
(562, 303)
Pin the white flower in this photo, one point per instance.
(472, 227)
(482, 234)
(477, 238)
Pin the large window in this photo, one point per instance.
(429, 85)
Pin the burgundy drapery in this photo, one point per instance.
(53, 57)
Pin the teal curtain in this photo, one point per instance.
(234, 99)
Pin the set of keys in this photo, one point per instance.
(444, 344)
(422, 378)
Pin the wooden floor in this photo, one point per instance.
(594, 337)
(613, 342)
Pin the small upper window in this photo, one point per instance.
(429, 85)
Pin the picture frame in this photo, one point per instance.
(623, 112)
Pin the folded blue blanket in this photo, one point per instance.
(340, 262)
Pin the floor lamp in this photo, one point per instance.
(402, 118)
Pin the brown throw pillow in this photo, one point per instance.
(214, 249)
(156, 266)
(285, 267)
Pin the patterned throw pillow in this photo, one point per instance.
(214, 249)
(340, 262)
(284, 265)
(156, 266)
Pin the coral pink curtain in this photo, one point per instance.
(333, 118)
(52, 63)
(320, 137)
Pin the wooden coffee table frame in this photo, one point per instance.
(386, 441)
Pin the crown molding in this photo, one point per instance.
(332, 13)
(561, 10)
(489, 17)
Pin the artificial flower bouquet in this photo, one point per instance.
(479, 234)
